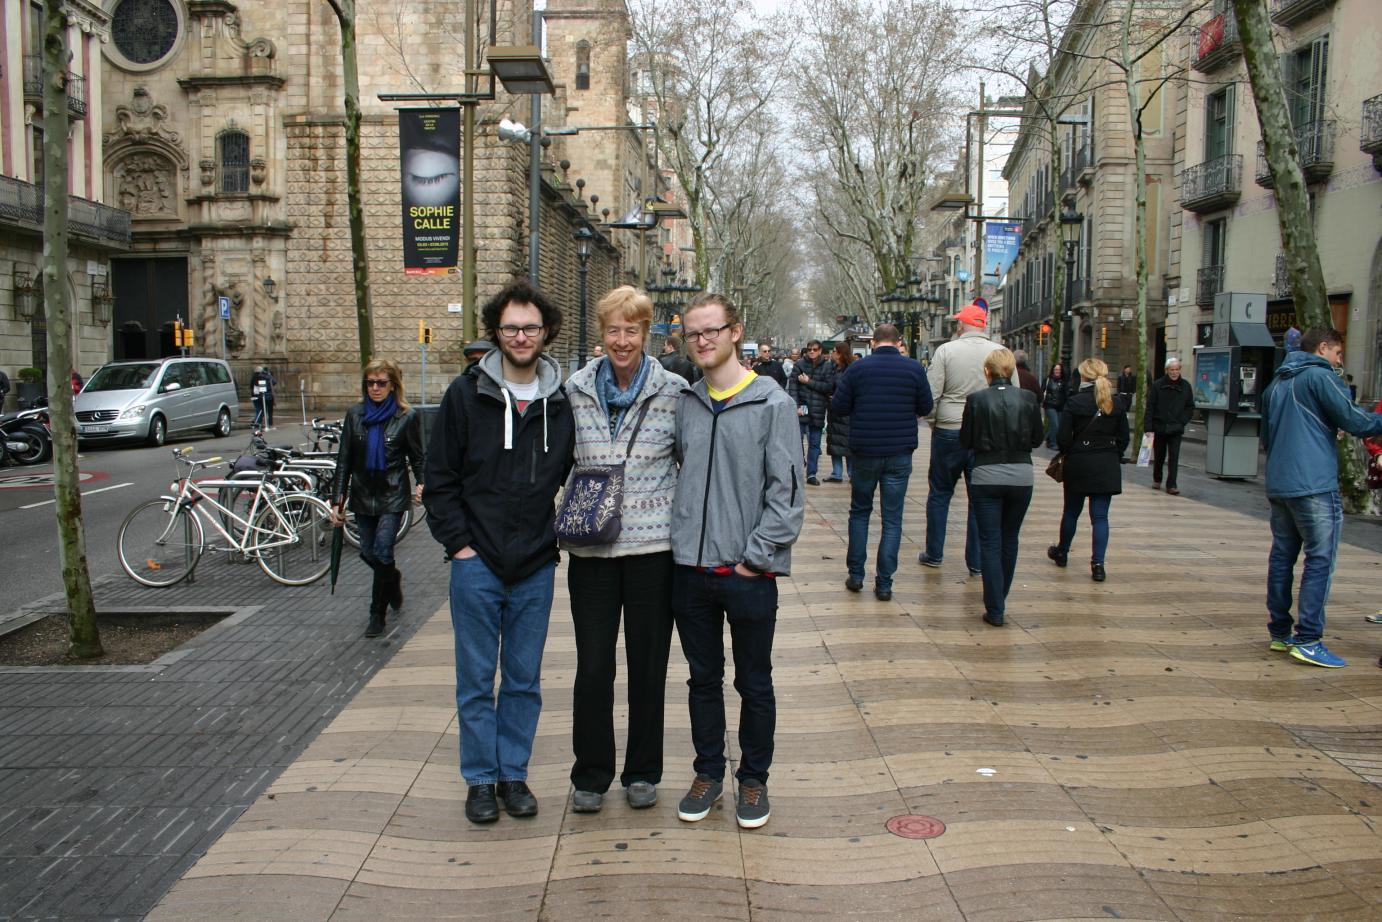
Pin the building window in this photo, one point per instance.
(1218, 127)
(583, 65)
(1304, 73)
(233, 150)
(36, 176)
(144, 31)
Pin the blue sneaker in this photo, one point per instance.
(1281, 646)
(928, 561)
(1317, 654)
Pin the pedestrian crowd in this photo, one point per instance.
(679, 489)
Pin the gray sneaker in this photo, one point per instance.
(641, 794)
(698, 801)
(587, 801)
(752, 809)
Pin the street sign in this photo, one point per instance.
(223, 303)
(455, 308)
(963, 275)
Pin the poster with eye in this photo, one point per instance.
(429, 153)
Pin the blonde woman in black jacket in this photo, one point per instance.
(1093, 435)
(1001, 425)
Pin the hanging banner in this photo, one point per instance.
(429, 151)
(1001, 239)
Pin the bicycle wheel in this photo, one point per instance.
(160, 543)
(293, 539)
(352, 531)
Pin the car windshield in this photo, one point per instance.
(122, 377)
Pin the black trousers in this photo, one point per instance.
(639, 586)
(1165, 452)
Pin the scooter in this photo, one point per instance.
(25, 437)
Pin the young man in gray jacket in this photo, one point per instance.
(738, 509)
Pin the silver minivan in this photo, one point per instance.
(149, 400)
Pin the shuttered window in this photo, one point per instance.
(1305, 72)
(1218, 127)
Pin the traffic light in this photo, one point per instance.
(1103, 338)
(182, 335)
(424, 333)
(1042, 332)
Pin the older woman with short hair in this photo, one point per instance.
(625, 406)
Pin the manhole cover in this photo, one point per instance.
(912, 826)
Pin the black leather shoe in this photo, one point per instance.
(813, 481)
(1096, 571)
(480, 805)
(996, 622)
(883, 595)
(854, 585)
(518, 800)
(1056, 554)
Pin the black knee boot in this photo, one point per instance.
(395, 587)
(378, 603)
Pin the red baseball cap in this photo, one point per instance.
(974, 314)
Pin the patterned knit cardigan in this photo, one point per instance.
(650, 470)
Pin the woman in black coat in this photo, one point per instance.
(1093, 436)
(1053, 397)
(837, 426)
(380, 441)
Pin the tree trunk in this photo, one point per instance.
(1283, 159)
(1129, 68)
(350, 72)
(83, 636)
(1058, 274)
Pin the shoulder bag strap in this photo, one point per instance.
(638, 423)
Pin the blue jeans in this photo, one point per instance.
(949, 462)
(812, 434)
(1098, 521)
(1052, 426)
(1313, 523)
(701, 603)
(890, 475)
(377, 536)
(505, 627)
(1000, 510)
(838, 465)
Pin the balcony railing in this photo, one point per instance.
(1081, 159)
(1217, 42)
(33, 87)
(1290, 12)
(1370, 139)
(1212, 185)
(1079, 291)
(1281, 280)
(21, 205)
(1315, 142)
(1209, 281)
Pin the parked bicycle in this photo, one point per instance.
(287, 533)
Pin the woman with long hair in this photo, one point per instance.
(836, 426)
(380, 441)
(1093, 436)
(625, 408)
(1001, 425)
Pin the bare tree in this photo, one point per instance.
(710, 70)
(84, 640)
(350, 73)
(875, 108)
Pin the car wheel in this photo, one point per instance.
(158, 431)
(222, 427)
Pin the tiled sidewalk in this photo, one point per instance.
(1150, 758)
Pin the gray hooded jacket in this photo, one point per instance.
(739, 497)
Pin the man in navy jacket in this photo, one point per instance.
(883, 394)
(1302, 411)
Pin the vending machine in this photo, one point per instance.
(1230, 375)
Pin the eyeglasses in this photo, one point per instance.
(377, 382)
(509, 331)
(710, 335)
(814, 349)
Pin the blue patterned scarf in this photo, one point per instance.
(377, 416)
(615, 401)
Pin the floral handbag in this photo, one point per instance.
(591, 511)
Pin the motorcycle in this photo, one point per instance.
(25, 437)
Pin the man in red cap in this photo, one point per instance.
(957, 370)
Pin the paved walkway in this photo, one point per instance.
(1127, 750)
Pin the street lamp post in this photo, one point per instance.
(584, 237)
(1070, 222)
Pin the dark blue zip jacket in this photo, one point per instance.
(883, 394)
(1302, 412)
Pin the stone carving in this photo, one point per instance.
(208, 172)
(141, 121)
(278, 335)
(261, 48)
(146, 185)
(258, 169)
(231, 211)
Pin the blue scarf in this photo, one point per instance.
(377, 416)
(615, 401)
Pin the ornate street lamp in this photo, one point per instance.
(25, 292)
(1070, 223)
(584, 238)
(101, 301)
(270, 288)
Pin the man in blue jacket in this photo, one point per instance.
(1302, 411)
(882, 394)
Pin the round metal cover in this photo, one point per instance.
(914, 826)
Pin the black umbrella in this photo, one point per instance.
(337, 545)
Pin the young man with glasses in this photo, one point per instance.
(737, 511)
(501, 447)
